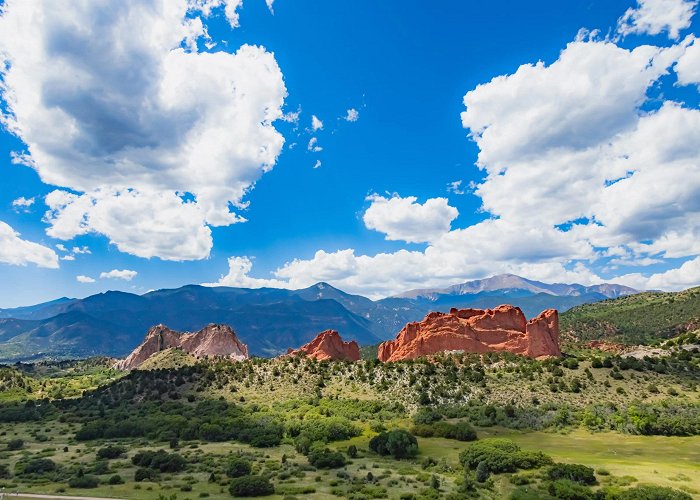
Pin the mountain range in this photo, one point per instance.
(268, 320)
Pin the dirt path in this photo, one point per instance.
(7, 496)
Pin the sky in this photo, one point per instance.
(377, 146)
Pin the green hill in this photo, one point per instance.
(644, 318)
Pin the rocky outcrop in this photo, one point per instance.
(213, 340)
(476, 330)
(328, 345)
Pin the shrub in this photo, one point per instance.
(111, 452)
(5, 472)
(238, 467)
(83, 482)
(650, 492)
(398, 443)
(38, 466)
(482, 472)
(352, 451)
(573, 472)
(501, 455)
(324, 458)
(15, 444)
(426, 416)
(461, 431)
(145, 474)
(251, 486)
(115, 479)
(569, 490)
(161, 460)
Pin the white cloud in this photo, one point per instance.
(18, 252)
(680, 278)
(653, 17)
(292, 116)
(352, 115)
(455, 187)
(239, 268)
(317, 164)
(81, 250)
(22, 204)
(69, 257)
(120, 274)
(688, 67)
(84, 279)
(405, 219)
(269, 4)
(316, 124)
(313, 145)
(124, 111)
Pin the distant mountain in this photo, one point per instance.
(516, 285)
(268, 320)
(644, 318)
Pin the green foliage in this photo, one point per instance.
(84, 481)
(648, 492)
(482, 472)
(397, 443)
(115, 479)
(636, 319)
(461, 431)
(159, 460)
(15, 444)
(569, 490)
(36, 466)
(5, 471)
(238, 466)
(145, 474)
(251, 486)
(111, 451)
(573, 472)
(501, 455)
(325, 458)
(426, 416)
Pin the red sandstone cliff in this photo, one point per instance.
(328, 345)
(475, 330)
(213, 340)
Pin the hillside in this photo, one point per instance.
(644, 318)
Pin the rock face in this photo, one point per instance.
(328, 345)
(476, 330)
(213, 340)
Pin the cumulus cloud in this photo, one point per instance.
(119, 109)
(316, 124)
(653, 17)
(119, 274)
(237, 276)
(84, 279)
(688, 67)
(405, 219)
(685, 276)
(22, 204)
(455, 187)
(317, 164)
(18, 252)
(352, 115)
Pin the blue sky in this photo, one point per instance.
(147, 150)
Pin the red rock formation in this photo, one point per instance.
(604, 346)
(474, 330)
(213, 340)
(328, 345)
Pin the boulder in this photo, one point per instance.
(504, 328)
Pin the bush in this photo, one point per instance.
(15, 444)
(397, 443)
(482, 472)
(111, 452)
(161, 460)
(251, 486)
(426, 416)
(145, 474)
(238, 467)
(649, 492)
(461, 431)
(115, 479)
(324, 458)
(38, 466)
(568, 490)
(352, 451)
(573, 472)
(501, 455)
(83, 482)
(5, 472)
